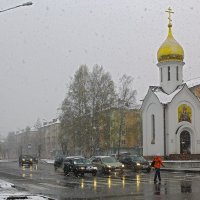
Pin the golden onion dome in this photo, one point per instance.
(170, 50)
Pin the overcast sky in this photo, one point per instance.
(41, 46)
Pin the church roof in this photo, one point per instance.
(193, 82)
(163, 97)
(170, 50)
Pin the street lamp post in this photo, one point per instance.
(21, 5)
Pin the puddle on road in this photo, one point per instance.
(27, 171)
(186, 187)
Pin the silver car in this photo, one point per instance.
(107, 164)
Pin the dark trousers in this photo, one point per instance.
(157, 174)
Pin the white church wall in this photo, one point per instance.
(152, 107)
(174, 127)
(170, 85)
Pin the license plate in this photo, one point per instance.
(89, 168)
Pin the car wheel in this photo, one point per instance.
(82, 174)
(76, 173)
(102, 171)
(148, 170)
(122, 172)
(66, 172)
(136, 170)
(94, 173)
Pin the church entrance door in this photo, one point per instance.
(185, 142)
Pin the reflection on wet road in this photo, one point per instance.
(139, 186)
(27, 170)
(43, 179)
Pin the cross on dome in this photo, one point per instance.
(169, 11)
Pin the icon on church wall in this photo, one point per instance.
(184, 113)
(196, 91)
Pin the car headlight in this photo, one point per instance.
(95, 168)
(23, 159)
(82, 168)
(108, 166)
(31, 159)
(138, 164)
(122, 165)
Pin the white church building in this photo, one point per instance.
(171, 111)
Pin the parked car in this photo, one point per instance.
(35, 159)
(79, 166)
(120, 155)
(58, 162)
(107, 164)
(136, 163)
(25, 160)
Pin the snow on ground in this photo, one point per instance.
(5, 184)
(8, 191)
(48, 161)
(23, 196)
(10, 160)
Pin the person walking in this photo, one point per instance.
(156, 163)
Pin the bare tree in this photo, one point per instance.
(126, 99)
(126, 92)
(102, 97)
(74, 108)
(38, 124)
(88, 94)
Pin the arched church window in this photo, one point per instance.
(177, 73)
(168, 69)
(184, 113)
(152, 129)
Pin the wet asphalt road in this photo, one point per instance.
(42, 179)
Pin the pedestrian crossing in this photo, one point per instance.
(125, 181)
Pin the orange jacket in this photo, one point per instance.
(158, 162)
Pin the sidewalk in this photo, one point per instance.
(186, 170)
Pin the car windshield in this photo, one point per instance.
(26, 156)
(137, 158)
(81, 161)
(109, 160)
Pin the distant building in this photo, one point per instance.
(123, 133)
(42, 142)
(48, 134)
(27, 141)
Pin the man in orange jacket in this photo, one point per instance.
(157, 164)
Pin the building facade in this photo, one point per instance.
(41, 142)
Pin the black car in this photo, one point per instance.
(79, 166)
(136, 163)
(58, 162)
(25, 160)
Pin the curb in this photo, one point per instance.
(181, 170)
